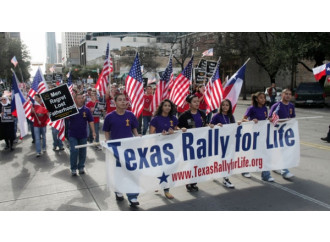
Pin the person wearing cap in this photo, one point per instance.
(192, 118)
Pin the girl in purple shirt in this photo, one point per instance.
(257, 111)
(225, 116)
(164, 122)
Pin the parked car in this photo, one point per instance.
(278, 95)
(309, 93)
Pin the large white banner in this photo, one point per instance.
(148, 163)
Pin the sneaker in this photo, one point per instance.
(270, 179)
(98, 147)
(288, 175)
(62, 148)
(194, 187)
(44, 150)
(38, 154)
(168, 195)
(325, 139)
(227, 183)
(119, 196)
(191, 188)
(134, 202)
(246, 174)
(82, 171)
(73, 172)
(54, 148)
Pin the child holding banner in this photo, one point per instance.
(121, 124)
(257, 111)
(286, 111)
(224, 116)
(192, 118)
(164, 122)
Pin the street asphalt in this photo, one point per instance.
(28, 183)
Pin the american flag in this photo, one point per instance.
(38, 86)
(52, 69)
(162, 86)
(213, 91)
(69, 83)
(14, 61)
(134, 87)
(60, 126)
(102, 82)
(275, 116)
(208, 52)
(181, 85)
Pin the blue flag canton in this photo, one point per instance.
(15, 90)
(216, 75)
(135, 71)
(36, 80)
(187, 71)
(167, 74)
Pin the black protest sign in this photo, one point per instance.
(98, 109)
(6, 116)
(202, 65)
(199, 75)
(59, 103)
(211, 65)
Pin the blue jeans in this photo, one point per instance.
(265, 175)
(74, 153)
(146, 121)
(56, 140)
(97, 131)
(130, 196)
(285, 171)
(37, 132)
(30, 123)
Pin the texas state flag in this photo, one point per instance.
(233, 87)
(17, 107)
(321, 71)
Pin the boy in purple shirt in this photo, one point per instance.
(121, 124)
(78, 135)
(286, 110)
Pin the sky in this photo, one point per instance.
(36, 44)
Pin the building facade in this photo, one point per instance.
(59, 53)
(70, 39)
(51, 57)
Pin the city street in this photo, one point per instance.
(28, 183)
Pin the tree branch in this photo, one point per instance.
(304, 65)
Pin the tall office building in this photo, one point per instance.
(70, 39)
(59, 53)
(51, 48)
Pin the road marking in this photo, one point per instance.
(310, 199)
(322, 147)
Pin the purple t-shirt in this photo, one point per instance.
(120, 126)
(285, 111)
(164, 123)
(78, 123)
(258, 113)
(198, 119)
(221, 118)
